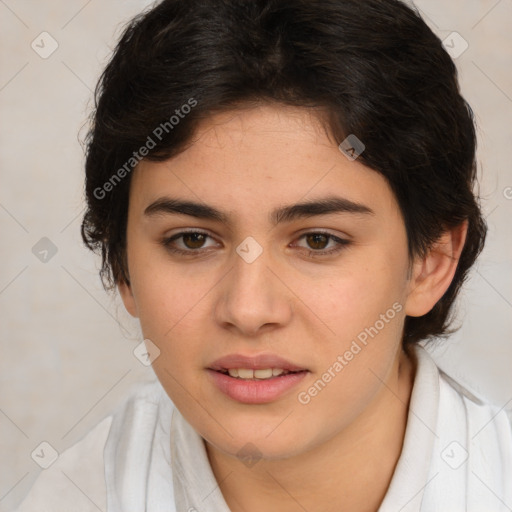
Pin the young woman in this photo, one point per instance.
(282, 193)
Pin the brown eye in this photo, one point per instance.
(321, 244)
(194, 240)
(317, 240)
(189, 243)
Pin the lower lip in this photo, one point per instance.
(256, 391)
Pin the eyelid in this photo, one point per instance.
(323, 231)
(184, 231)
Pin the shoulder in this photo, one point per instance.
(76, 480)
(489, 426)
(481, 431)
(471, 450)
(476, 408)
(76, 477)
(479, 409)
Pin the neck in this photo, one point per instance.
(351, 471)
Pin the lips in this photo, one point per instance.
(259, 362)
(246, 379)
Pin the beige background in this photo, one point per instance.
(66, 345)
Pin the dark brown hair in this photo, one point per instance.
(373, 66)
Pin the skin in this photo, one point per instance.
(305, 308)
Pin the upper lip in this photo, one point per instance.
(258, 362)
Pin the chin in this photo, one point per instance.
(250, 450)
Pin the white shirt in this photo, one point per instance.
(456, 456)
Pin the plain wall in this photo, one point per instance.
(66, 345)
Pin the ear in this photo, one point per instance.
(125, 290)
(433, 273)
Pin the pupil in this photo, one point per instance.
(194, 240)
(317, 241)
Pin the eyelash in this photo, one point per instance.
(341, 244)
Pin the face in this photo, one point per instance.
(263, 247)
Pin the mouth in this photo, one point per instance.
(261, 374)
(255, 379)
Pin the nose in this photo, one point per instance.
(252, 299)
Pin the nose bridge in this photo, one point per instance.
(251, 279)
(251, 295)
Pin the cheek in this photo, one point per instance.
(170, 316)
(168, 296)
(364, 309)
(367, 317)
(349, 299)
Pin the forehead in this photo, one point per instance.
(293, 123)
(252, 160)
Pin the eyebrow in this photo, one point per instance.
(325, 206)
